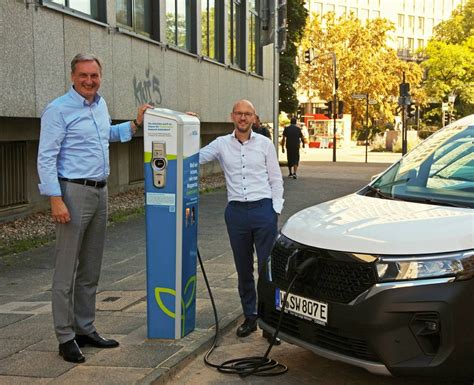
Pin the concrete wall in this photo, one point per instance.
(37, 44)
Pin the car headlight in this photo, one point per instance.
(459, 265)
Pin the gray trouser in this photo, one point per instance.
(78, 253)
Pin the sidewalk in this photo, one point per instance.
(28, 348)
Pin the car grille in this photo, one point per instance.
(329, 279)
(322, 336)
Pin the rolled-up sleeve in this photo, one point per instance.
(121, 132)
(53, 130)
(209, 152)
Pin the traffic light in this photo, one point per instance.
(340, 109)
(329, 112)
(307, 56)
(410, 111)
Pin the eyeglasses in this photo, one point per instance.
(241, 114)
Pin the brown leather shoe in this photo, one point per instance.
(96, 340)
(71, 352)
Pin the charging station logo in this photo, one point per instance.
(187, 299)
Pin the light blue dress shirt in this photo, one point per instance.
(74, 141)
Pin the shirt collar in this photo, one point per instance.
(80, 99)
(252, 135)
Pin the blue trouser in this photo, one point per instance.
(249, 224)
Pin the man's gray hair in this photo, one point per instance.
(80, 57)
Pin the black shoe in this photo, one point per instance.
(71, 352)
(94, 339)
(294, 176)
(269, 338)
(249, 326)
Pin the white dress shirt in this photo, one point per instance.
(251, 168)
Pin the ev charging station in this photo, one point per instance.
(171, 141)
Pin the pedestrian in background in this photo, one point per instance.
(255, 198)
(73, 166)
(293, 139)
(259, 128)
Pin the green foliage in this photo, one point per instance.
(450, 62)
(296, 17)
(459, 27)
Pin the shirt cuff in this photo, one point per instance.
(125, 131)
(50, 189)
(278, 205)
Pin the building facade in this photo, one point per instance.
(186, 55)
(414, 20)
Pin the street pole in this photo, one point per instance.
(334, 109)
(276, 80)
(404, 122)
(366, 125)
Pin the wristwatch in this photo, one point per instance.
(136, 124)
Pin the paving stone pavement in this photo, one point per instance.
(28, 348)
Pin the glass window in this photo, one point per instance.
(93, 8)
(411, 44)
(330, 8)
(235, 24)
(316, 7)
(400, 44)
(342, 10)
(135, 15)
(421, 24)
(421, 43)
(212, 29)
(254, 38)
(374, 14)
(411, 23)
(178, 23)
(401, 21)
(363, 14)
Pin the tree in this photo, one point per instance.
(365, 64)
(296, 18)
(459, 27)
(450, 61)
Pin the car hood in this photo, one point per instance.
(361, 224)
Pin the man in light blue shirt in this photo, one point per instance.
(73, 166)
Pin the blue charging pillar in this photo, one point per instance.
(171, 141)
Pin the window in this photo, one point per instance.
(95, 9)
(138, 16)
(421, 24)
(400, 43)
(342, 10)
(421, 43)
(179, 24)
(254, 56)
(411, 44)
(330, 8)
(235, 34)
(212, 29)
(13, 174)
(374, 14)
(411, 23)
(401, 21)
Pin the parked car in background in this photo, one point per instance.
(384, 276)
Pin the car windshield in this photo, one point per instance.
(438, 171)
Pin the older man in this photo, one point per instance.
(255, 198)
(73, 166)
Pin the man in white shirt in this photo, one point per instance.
(255, 198)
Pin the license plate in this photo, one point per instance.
(302, 307)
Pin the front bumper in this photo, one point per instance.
(385, 332)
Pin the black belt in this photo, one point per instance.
(87, 182)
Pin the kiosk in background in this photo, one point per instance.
(171, 141)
